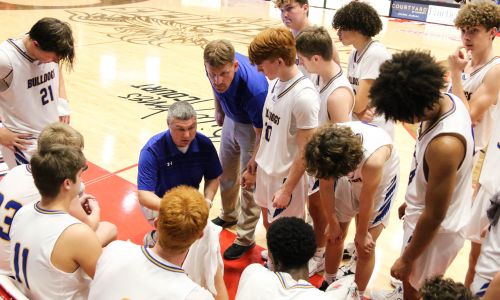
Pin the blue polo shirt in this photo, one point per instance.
(162, 166)
(244, 99)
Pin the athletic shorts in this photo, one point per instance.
(19, 157)
(479, 285)
(436, 258)
(478, 218)
(313, 185)
(267, 185)
(347, 201)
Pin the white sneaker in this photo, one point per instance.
(316, 264)
(348, 269)
(395, 282)
(396, 294)
(264, 254)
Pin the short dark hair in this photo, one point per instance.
(55, 36)
(438, 288)
(408, 84)
(291, 243)
(358, 16)
(315, 40)
(53, 165)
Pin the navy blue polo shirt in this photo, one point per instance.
(162, 166)
(244, 99)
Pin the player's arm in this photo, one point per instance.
(282, 197)
(220, 286)
(339, 105)
(69, 252)
(485, 96)
(443, 157)
(493, 291)
(362, 100)
(63, 105)
(372, 173)
(327, 198)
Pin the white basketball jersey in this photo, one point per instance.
(373, 138)
(258, 283)
(366, 65)
(17, 188)
(129, 271)
(30, 102)
(456, 121)
(488, 263)
(33, 234)
(289, 106)
(489, 178)
(338, 81)
(470, 84)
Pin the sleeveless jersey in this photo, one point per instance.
(365, 65)
(30, 102)
(489, 178)
(488, 262)
(470, 84)
(337, 81)
(289, 106)
(129, 271)
(257, 282)
(33, 234)
(455, 121)
(16, 189)
(373, 138)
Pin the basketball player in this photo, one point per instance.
(358, 171)
(314, 48)
(31, 86)
(474, 78)
(290, 117)
(439, 192)
(17, 189)
(488, 263)
(239, 92)
(129, 271)
(356, 24)
(291, 244)
(438, 288)
(53, 252)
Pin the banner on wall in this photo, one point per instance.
(409, 10)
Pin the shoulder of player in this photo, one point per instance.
(448, 148)
(491, 77)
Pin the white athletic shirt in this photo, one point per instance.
(33, 234)
(16, 189)
(470, 84)
(455, 121)
(129, 271)
(489, 177)
(338, 81)
(258, 283)
(366, 65)
(30, 102)
(289, 106)
(488, 263)
(373, 138)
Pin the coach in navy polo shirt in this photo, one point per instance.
(178, 156)
(240, 92)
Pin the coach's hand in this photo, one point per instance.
(11, 139)
(281, 198)
(248, 180)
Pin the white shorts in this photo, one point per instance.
(347, 202)
(436, 258)
(267, 185)
(479, 285)
(19, 157)
(478, 219)
(313, 185)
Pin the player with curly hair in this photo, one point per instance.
(357, 23)
(437, 202)
(358, 170)
(439, 288)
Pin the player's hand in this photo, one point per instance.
(367, 115)
(401, 211)
(252, 166)
(401, 269)
(484, 231)
(364, 243)
(64, 119)
(281, 199)
(457, 61)
(89, 204)
(219, 117)
(248, 180)
(11, 139)
(333, 232)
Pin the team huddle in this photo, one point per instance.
(301, 139)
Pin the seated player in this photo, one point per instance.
(129, 271)
(438, 288)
